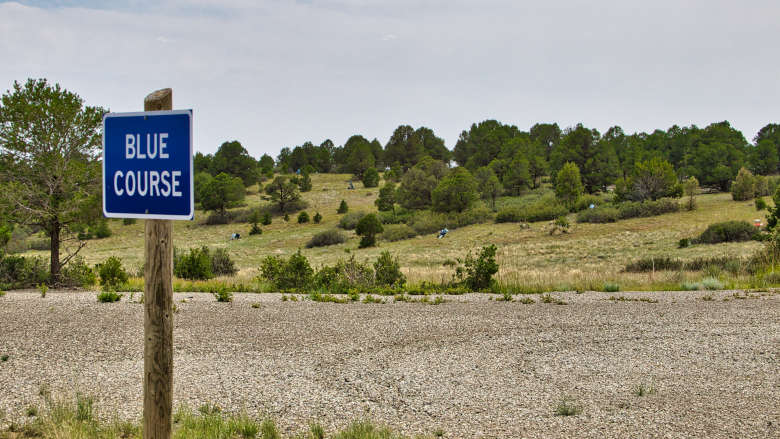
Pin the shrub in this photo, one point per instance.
(585, 201)
(368, 227)
(217, 218)
(351, 220)
(193, 265)
(266, 219)
(425, 221)
(544, 209)
(762, 186)
(611, 287)
(111, 273)
(760, 204)
(370, 178)
(387, 271)
(77, 274)
(568, 184)
(221, 264)
(345, 275)
(477, 273)
(744, 186)
(684, 243)
(21, 272)
(108, 297)
(101, 230)
(328, 237)
(222, 294)
(317, 218)
(292, 273)
(303, 217)
(398, 232)
(729, 231)
(343, 208)
(255, 230)
(710, 283)
(598, 215)
(647, 208)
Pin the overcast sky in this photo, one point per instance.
(277, 73)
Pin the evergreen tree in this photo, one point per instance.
(456, 192)
(568, 184)
(370, 178)
(343, 208)
(386, 199)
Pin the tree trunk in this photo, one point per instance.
(55, 251)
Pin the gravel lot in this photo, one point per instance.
(471, 367)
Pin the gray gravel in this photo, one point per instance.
(471, 367)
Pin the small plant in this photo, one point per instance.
(193, 265)
(684, 243)
(567, 407)
(642, 390)
(526, 300)
(286, 217)
(31, 411)
(221, 264)
(327, 237)
(303, 217)
(506, 296)
(111, 273)
(760, 204)
(317, 218)
(4, 358)
(316, 431)
(371, 299)
(266, 221)
(343, 208)
(707, 298)
(2, 293)
(255, 230)
(711, 283)
(611, 287)
(256, 305)
(222, 294)
(43, 288)
(547, 298)
(388, 271)
(108, 297)
(477, 273)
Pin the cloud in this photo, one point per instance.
(277, 73)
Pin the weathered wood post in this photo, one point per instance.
(158, 315)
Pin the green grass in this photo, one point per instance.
(567, 407)
(530, 259)
(76, 419)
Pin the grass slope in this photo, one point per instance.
(530, 257)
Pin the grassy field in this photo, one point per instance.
(529, 257)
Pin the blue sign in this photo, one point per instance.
(147, 165)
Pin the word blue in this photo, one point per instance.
(147, 165)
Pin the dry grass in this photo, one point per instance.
(588, 257)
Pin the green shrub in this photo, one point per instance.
(760, 204)
(346, 275)
(544, 209)
(222, 294)
(108, 297)
(293, 273)
(598, 215)
(303, 217)
(684, 243)
(255, 230)
(101, 230)
(328, 237)
(585, 201)
(111, 273)
(387, 271)
(317, 218)
(729, 231)
(425, 221)
(343, 208)
(744, 186)
(648, 208)
(286, 218)
(221, 264)
(610, 287)
(477, 273)
(398, 232)
(193, 265)
(351, 220)
(77, 274)
(217, 218)
(21, 272)
(266, 219)
(370, 178)
(710, 283)
(368, 227)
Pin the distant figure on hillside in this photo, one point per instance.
(235, 236)
(351, 186)
(442, 233)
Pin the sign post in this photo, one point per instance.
(147, 173)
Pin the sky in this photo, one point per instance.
(278, 73)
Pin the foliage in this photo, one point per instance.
(425, 221)
(567, 407)
(303, 217)
(653, 179)
(222, 295)
(760, 204)
(21, 272)
(544, 209)
(78, 274)
(234, 160)
(111, 273)
(586, 200)
(283, 192)
(568, 185)
(386, 199)
(744, 186)
(488, 184)
(193, 265)
(388, 271)
(690, 188)
(599, 215)
(729, 231)
(408, 146)
(455, 192)
(419, 182)
(221, 263)
(477, 273)
(648, 208)
(370, 178)
(266, 221)
(222, 192)
(255, 230)
(304, 182)
(398, 232)
(368, 227)
(328, 237)
(350, 220)
(50, 144)
(108, 297)
(343, 208)
(293, 273)
(317, 218)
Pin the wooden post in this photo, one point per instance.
(158, 315)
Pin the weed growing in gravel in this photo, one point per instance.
(316, 296)
(642, 390)
(425, 299)
(43, 288)
(3, 358)
(632, 299)
(108, 297)
(567, 407)
(222, 294)
(506, 296)
(371, 299)
(31, 411)
(316, 431)
(2, 293)
(526, 301)
(256, 305)
(546, 298)
(707, 298)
